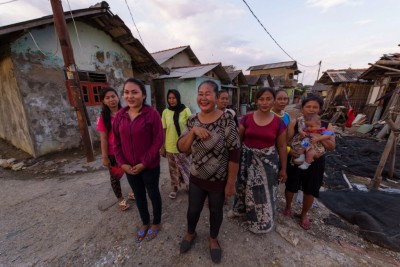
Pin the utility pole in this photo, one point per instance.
(72, 75)
(319, 68)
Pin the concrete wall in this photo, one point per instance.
(40, 79)
(179, 60)
(274, 72)
(13, 122)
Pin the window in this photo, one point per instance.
(91, 84)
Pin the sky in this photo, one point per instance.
(340, 33)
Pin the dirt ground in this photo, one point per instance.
(61, 211)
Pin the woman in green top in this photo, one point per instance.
(174, 121)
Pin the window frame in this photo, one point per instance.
(90, 97)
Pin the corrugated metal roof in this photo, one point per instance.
(288, 64)
(162, 56)
(197, 71)
(317, 87)
(233, 74)
(348, 75)
(253, 79)
(388, 60)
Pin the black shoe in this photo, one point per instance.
(216, 254)
(186, 245)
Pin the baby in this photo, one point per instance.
(308, 141)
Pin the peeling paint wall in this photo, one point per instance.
(13, 122)
(40, 79)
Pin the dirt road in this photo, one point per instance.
(72, 220)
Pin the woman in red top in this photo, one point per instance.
(139, 137)
(111, 105)
(261, 133)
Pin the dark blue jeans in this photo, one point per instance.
(147, 180)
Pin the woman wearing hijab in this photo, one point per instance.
(174, 120)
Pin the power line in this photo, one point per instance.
(8, 2)
(275, 40)
(76, 29)
(134, 22)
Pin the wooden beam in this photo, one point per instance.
(383, 67)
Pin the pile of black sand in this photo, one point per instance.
(375, 212)
(357, 156)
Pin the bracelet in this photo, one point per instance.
(288, 149)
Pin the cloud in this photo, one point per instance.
(363, 22)
(327, 4)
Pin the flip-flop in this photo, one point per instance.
(151, 234)
(140, 235)
(305, 224)
(123, 205)
(287, 213)
(131, 196)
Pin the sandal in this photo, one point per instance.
(172, 195)
(141, 234)
(123, 205)
(305, 223)
(131, 196)
(287, 213)
(152, 233)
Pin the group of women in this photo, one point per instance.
(213, 157)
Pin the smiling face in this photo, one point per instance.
(172, 101)
(111, 100)
(133, 95)
(311, 107)
(265, 102)
(281, 101)
(223, 101)
(206, 98)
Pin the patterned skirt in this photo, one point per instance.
(256, 188)
(179, 169)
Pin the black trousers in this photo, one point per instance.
(197, 196)
(147, 181)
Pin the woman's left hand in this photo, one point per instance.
(137, 168)
(230, 190)
(282, 176)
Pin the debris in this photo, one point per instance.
(18, 166)
(288, 235)
(347, 180)
(365, 128)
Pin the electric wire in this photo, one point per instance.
(307, 66)
(76, 29)
(134, 22)
(40, 50)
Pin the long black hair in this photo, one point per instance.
(105, 110)
(177, 109)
